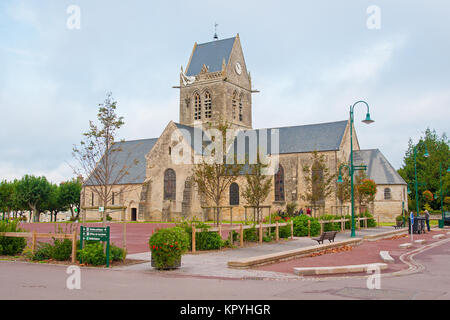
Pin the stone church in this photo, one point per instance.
(215, 87)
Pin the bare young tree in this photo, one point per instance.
(318, 180)
(343, 189)
(101, 159)
(258, 185)
(213, 178)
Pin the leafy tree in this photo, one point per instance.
(319, 182)
(427, 168)
(34, 192)
(428, 196)
(7, 196)
(258, 184)
(97, 156)
(54, 203)
(364, 189)
(69, 195)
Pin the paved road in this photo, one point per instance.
(36, 281)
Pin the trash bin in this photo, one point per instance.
(441, 223)
(418, 225)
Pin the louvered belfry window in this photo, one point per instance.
(234, 104)
(240, 108)
(208, 105)
(279, 184)
(197, 107)
(169, 184)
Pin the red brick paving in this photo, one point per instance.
(137, 233)
(137, 238)
(367, 252)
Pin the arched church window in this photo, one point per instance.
(169, 184)
(240, 107)
(234, 194)
(279, 184)
(387, 194)
(197, 107)
(234, 103)
(208, 105)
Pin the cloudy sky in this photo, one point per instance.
(309, 59)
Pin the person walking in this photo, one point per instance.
(427, 219)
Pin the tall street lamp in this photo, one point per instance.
(426, 155)
(352, 167)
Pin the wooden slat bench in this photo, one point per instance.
(327, 235)
(399, 225)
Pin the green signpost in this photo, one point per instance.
(95, 234)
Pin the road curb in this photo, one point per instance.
(373, 237)
(386, 257)
(285, 255)
(339, 269)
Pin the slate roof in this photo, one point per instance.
(378, 167)
(130, 150)
(190, 133)
(295, 139)
(298, 139)
(210, 54)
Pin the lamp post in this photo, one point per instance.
(426, 155)
(352, 167)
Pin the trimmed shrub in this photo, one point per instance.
(251, 234)
(167, 246)
(370, 222)
(9, 245)
(285, 232)
(204, 240)
(116, 253)
(331, 226)
(235, 235)
(92, 253)
(301, 226)
(43, 251)
(207, 240)
(62, 249)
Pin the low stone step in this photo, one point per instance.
(405, 245)
(386, 257)
(439, 236)
(339, 269)
(421, 241)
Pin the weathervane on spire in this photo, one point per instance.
(215, 31)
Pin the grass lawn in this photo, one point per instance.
(433, 223)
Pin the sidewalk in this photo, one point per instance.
(214, 264)
(366, 253)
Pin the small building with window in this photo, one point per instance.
(391, 188)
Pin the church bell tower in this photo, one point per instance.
(216, 86)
